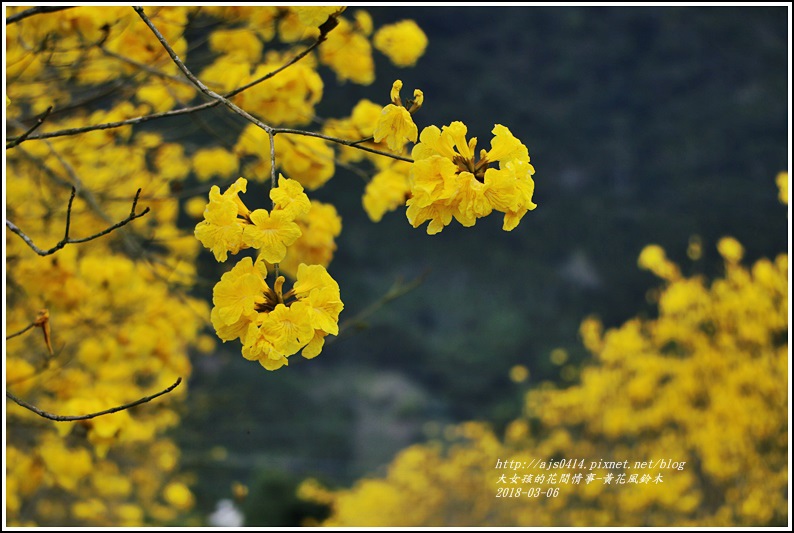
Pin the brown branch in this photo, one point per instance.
(39, 121)
(171, 113)
(20, 332)
(65, 418)
(142, 66)
(269, 129)
(34, 11)
(344, 142)
(68, 240)
(198, 83)
(398, 288)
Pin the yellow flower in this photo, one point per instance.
(730, 249)
(782, 185)
(213, 162)
(448, 181)
(271, 233)
(395, 124)
(288, 328)
(240, 42)
(287, 99)
(290, 198)
(519, 373)
(238, 292)
(308, 160)
(311, 277)
(653, 258)
(347, 52)
(317, 244)
(314, 16)
(222, 228)
(67, 466)
(403, 42)
(387, 190)
(178, 495)
(360, 125)
(271, 324)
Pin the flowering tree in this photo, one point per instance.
(678, 420)
(115, 297)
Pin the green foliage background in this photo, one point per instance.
(645, 125)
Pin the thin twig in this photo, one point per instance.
(39, 121)
(20, 332)
(120, 123)
(269, 75)
(171, 113)
(68, 240)
(272, 138)
(399, 288)
(198, 83)
(225, 101)
(344, 142)
(64, 418)
(142, 66)
(34, 11)
(364, 140)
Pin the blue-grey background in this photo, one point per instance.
(645, 125)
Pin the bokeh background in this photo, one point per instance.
(645, 125)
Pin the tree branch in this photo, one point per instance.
(165, 114)
(68, 240)
(269, 129)
(198, 83)
(64, 418)
(20, 332)
(34, 11)
(398, 288)
(39, 121)
(344, 142)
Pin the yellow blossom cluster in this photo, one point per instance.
(117, 323)
(447, 180)
(270, 323)
(685, 414)
(320, 227)
(229, 226)
(119, 328)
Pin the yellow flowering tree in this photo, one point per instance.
(678, 421)
(101, 323)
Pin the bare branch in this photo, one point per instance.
(65, 418)
(142, 66)
(165, 114)
(68, 240)
(39, 121)
(198, 83)
(269, 75)
(344, 142)
(34, 11)
(364, 140)
(20, 332)
(120, 123)
(398, 288)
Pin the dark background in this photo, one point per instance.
(645, 125)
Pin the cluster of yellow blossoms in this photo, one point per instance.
(448, 181)
(271, 324)
(120, 320)
(446, 178)
(696, 396)
(120, 328)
